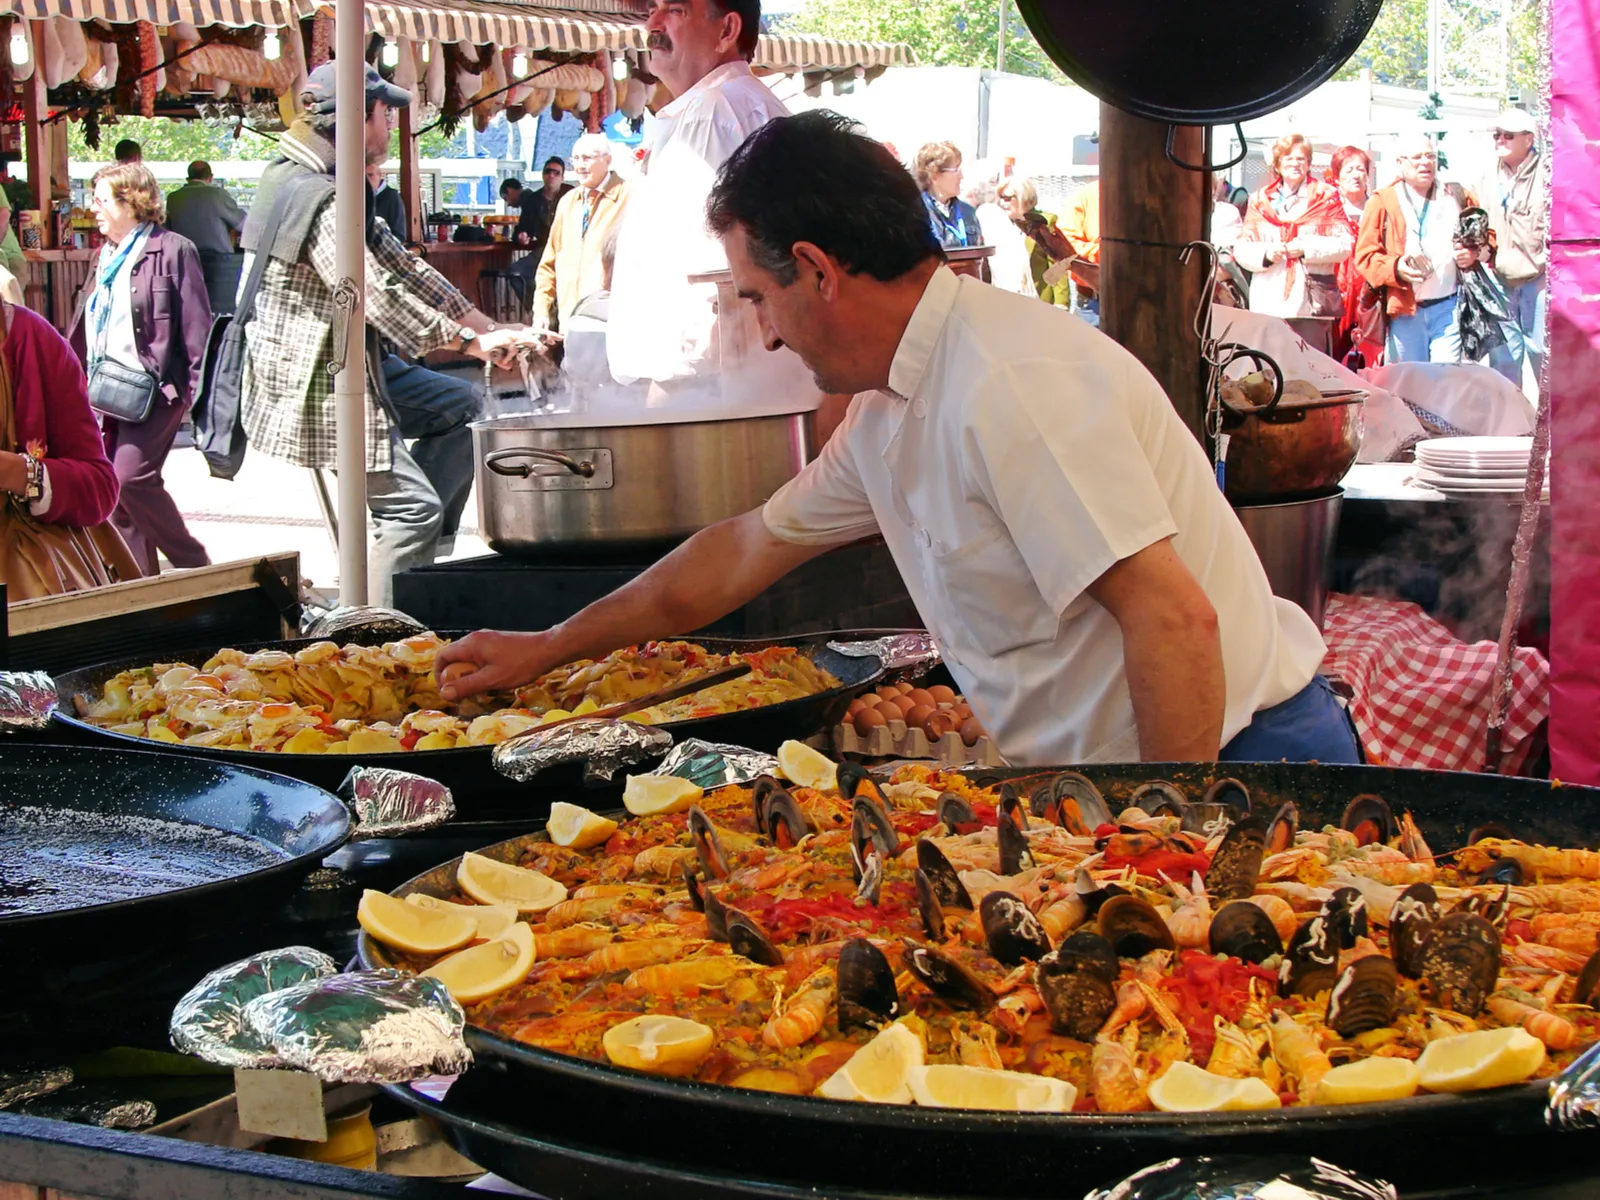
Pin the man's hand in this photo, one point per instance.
(1466, 258)
(500, 344)
(490, 661)
(13, 473)
(1406, 273)
(1294, 250)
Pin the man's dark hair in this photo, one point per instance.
(816, 178)
(507, 184)
(128, 150)
(749, 12)
(555, 160)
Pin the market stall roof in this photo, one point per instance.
(236, 13)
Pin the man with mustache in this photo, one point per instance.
(662, 326)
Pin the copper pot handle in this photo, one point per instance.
(1236, 352)
(493, 460)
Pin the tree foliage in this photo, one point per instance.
(943, 33)
(168, 140)
(1396, 49)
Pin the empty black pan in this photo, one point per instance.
(1199, 62)
(479, 790)
(112, 861)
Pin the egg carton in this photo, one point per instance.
(899, 740)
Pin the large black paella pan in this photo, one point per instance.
(479, 790)
(575, 1128)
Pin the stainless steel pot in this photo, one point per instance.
(565, 481)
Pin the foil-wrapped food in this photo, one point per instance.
(602, 745)
(209, 1021)
(392, 803)
(27, 699)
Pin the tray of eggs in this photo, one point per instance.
(900, 720)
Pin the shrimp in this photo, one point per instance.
(662, 860)
(1583, 940)
(775, 872)
(804, 962)
(1539, 861)
(1062, 915)
(630, 956)
(1011, 1011)
(798, 1021)
(671, 977)
(1281, 913)
(978, 1048)
(1131, 1005)
(1298, 1053)
(594, 891)
(1412, 844)
(1547, 958)
(1556, 1032)
(571, 912)
(1388, 865)
(1237, 1054)
(1115, 1081)
(571, 942)
(1557, 897)
(1190, 922)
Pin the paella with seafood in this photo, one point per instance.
(928, 940)
(330, 699)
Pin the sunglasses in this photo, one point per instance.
(1500, 135)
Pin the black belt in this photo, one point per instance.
(1435, 300)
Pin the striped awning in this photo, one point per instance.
(502, 24)
(236, 13)
(811, 52)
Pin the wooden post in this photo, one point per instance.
(1150, 209)
(410, 175)
(36, 139)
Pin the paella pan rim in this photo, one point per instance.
(75, 681)
(332, 828)
(1517, 1102)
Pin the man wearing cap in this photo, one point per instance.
(208, 216)
(415, 492)
(1517, 197)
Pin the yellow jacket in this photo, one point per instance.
(571, 268)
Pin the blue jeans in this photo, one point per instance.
(1525, 304)
(1429, 335)
(435, 410)
(1310, 726)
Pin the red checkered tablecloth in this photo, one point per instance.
(1421, 696)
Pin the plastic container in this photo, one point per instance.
(352, 1142)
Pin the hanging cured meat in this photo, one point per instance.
(247, 68)
(605, 99)
(321, 41)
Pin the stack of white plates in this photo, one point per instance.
(1474, 464)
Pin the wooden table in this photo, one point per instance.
(52, 281)
(463, 262)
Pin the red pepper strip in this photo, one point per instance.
(1170, 863)
(1519, 929)
(410, 740)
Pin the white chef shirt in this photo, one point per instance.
(1434, 236)
(1016, 456)
(662, 325)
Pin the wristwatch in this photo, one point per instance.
(467, 336)
(34, 469)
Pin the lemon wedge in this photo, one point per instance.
(576, 827)
(1368, 1081)
(478, 972)
(490, 882)
(879, 1071)
(492, 919)
(411, 928)
(947, 1085)
(805, 767)
(1187, 1088)
(1486, 1059)
(652, 795)
(660, 1044)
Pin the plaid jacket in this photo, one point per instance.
(288, 404)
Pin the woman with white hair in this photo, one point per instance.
(1008, 268)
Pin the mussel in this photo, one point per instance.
(1012, 933)
(948, 979)
(1015, 856)
(1411, 917)
(850, 776)
(1086, 944)
(1236, 866)
(1133, 927)
(1160, 798)
(1503, 870)
(1490, 829)
(747, 937)
(713, 861)
(942, 877)
(1229, 793)
(778, 814)
(1461, 961)
(716, 914)
(1244, 931)
(1077, 993)
(868, 997)
(1010, 806)
(1092, 894)
(955, 814)
(1346, 914)
(1494, 909)
(1311, 962)
(1370, 819)
(1589, 982)
(1285, 823)
(697, 900)
(1072, 801)
(869, 874)
(869, 821)
(928, 906)
(1364, 998)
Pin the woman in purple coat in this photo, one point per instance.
(144, 308)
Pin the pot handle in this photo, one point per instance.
(1235, 353)
(1172, 157)
(493, 460)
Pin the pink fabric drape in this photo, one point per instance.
(1574, 369)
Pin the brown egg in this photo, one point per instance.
(888, 693)
(869, 719)
(903, 688)
(870, 700)
(961, 711)
(894, 710)
(850, 713)
(939, 724)
(942, 694)
(971, 731)
(922, 696)
(918, 716)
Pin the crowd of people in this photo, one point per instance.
(1422, 269)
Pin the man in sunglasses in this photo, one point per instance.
(1517, 197)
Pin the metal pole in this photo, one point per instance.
(350, 212)
(1435, 14)
(1000, 49)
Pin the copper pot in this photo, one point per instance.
(1291, 447)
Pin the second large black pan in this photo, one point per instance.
(479, 790)
(520, 1105)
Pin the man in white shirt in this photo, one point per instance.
(663, 328)
(1056, 524)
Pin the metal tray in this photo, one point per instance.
(479, 790)
(526, 1100)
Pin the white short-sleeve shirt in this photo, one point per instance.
(1016, 456)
